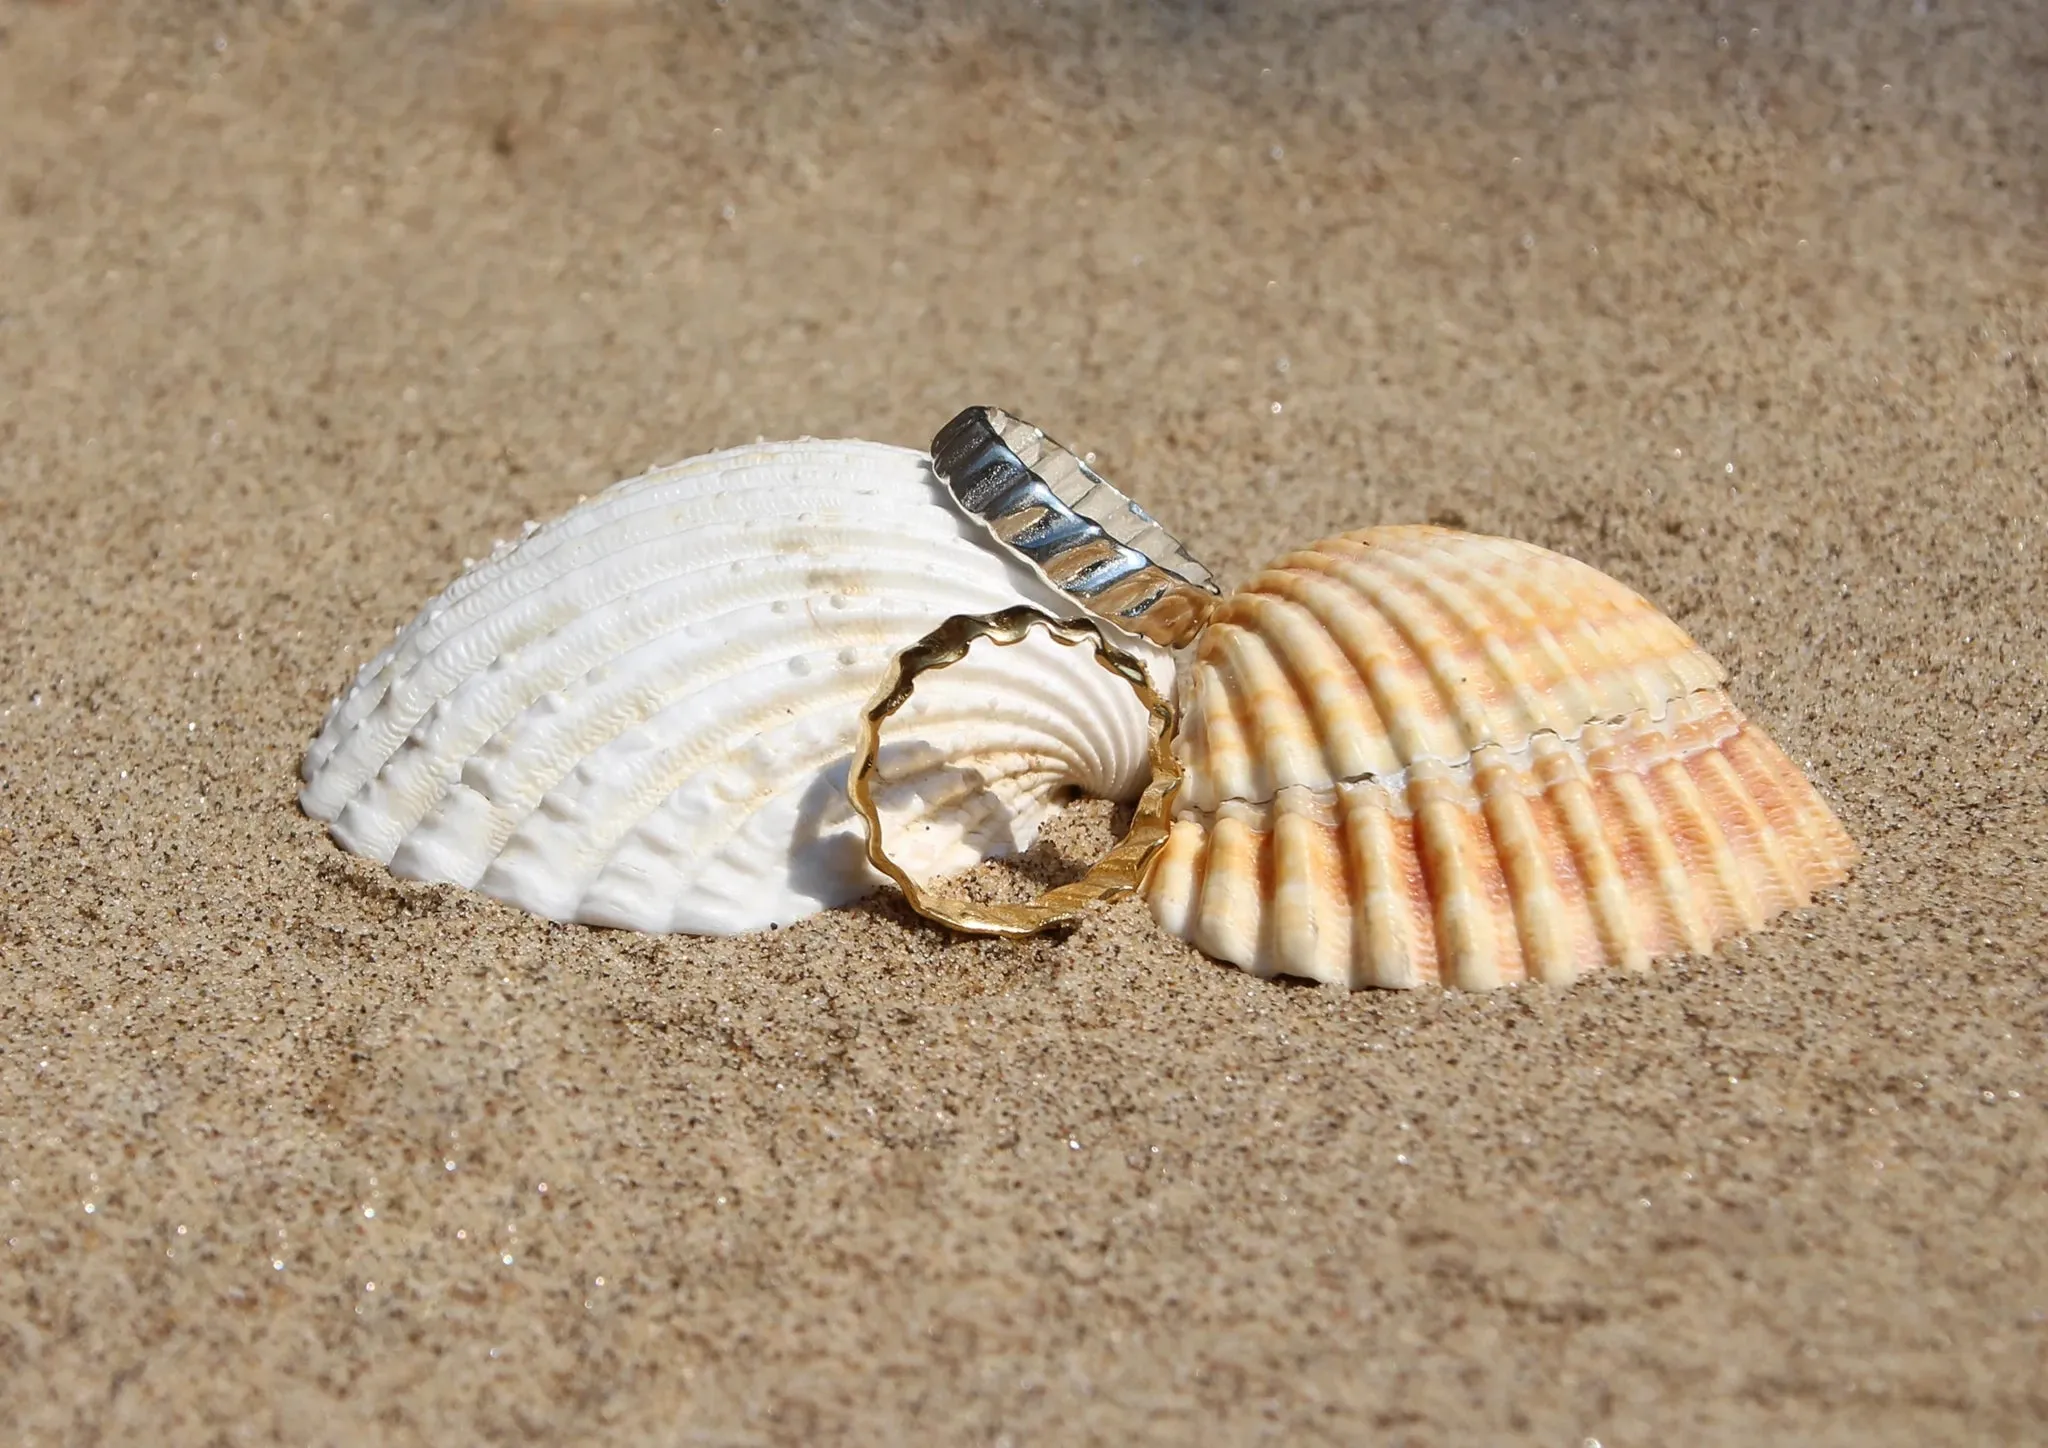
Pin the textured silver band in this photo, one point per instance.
(1082, 536)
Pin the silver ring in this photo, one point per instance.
(1080, 534)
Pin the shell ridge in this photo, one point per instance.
(586, 606)
(539, 727)
(609, 898)
(1082, 716)
(1084, 711)
(1606, 886)
(1335, 700)
(1421, 629)
(672, 521)
(341, 782)
(1453, 590)
(1576, 929)
(490, 705)
(1387, 945)
(1758, 772)
(627, 796)
(515, 569)
(1833, 849)
(1555, 935)
(691, 494)
(616, 801)
(1562, 676)
(1670, 892)
(1470, 953)
(1614, 621)
(1629, 644)
(609, 569)
(709, 479)
(483, 703)
(1723, 897)
(1239, 652)
(1383, 657)
(1292, 716)
(1534, 899)
(555, 846)
(1609, 622)
(544, 746)
(1228, 921)
(1813, 834)
(1175, 882)
(1769, 867)
(1299, 933)
(1211, 742)
(1351, 884)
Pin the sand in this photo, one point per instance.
(300, 305)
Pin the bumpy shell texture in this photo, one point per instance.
(641, 714)
(1417, 756)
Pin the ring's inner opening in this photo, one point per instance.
(1073, 837)
(991, 779)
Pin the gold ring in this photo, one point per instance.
(1116, 874)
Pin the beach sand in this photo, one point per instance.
(301, 305)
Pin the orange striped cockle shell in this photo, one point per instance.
(1416, 756)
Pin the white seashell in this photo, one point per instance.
(640, 714)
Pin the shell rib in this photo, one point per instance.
(1420, 756)
(641, 714)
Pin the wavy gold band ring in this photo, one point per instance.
(1116, 874)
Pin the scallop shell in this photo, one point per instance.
(1422, 756)
(641, 714)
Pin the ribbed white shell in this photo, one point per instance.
(640, 715)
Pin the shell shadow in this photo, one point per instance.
(828, 847)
